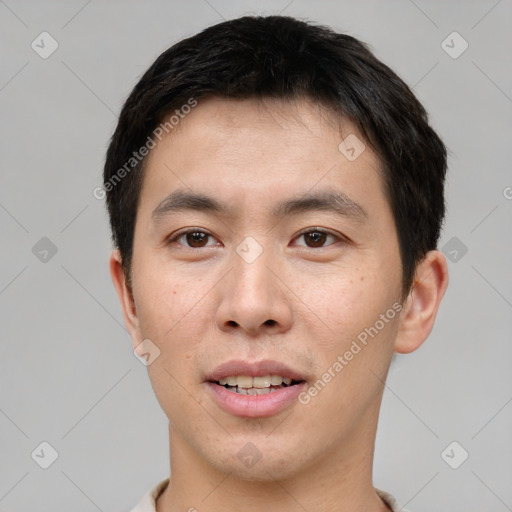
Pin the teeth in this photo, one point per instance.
(244, 381)
(261, 382)
(251, 391)
(275, 380)
(247, 382)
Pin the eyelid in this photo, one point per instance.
(318, 228)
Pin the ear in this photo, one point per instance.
(422, 303)
(125, 295)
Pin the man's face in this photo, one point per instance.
(277, 273)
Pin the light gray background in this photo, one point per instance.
(67, 372)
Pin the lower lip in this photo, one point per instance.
(255, 406)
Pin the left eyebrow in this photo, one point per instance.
(336, 202)
(329, 201)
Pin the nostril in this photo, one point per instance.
(270, 323)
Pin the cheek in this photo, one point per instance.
(165, 299)
(174, 316)
(340, 300)
(344, 316)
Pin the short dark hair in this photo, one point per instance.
(282, 57)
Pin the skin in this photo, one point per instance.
(300, 302)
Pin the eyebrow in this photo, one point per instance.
(329, 201)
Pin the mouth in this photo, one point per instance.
(254, 389)
(255, 386)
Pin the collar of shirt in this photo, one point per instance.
(148, 501)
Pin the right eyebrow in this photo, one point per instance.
(182, 200)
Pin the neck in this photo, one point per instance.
(339, 480)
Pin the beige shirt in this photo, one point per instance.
(148, 502)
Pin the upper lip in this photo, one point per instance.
(235, 367)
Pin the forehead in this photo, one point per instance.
(238, 149)
(214, 120)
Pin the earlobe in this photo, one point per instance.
(124, 294)
(421, 306)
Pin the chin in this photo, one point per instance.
(263, 472)
(257, 461)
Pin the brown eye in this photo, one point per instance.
(316, 239)
(194, 239)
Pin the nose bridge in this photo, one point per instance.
(251, 273)
(253, 298)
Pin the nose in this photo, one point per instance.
(254, 299)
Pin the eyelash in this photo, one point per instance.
(338, 238)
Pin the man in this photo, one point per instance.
(276, 196)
